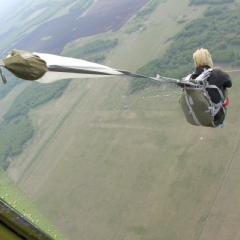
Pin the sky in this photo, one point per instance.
(7, 5)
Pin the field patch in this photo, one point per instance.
(102, 17)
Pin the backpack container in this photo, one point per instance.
(196, 103)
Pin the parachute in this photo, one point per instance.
(47, 68)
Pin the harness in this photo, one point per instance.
(196, 103)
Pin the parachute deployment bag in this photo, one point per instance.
(25, 65)
(196, 104)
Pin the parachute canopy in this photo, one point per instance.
(47, 68)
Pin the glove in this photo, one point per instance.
(226, 102)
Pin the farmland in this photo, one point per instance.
(52, 36)
(100, 171)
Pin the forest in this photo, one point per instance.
(219, 33)
(14, 135)
(11, 83)
(17, 128)
(34, 96)
(138, 21)
(94, 51)
(197, 2)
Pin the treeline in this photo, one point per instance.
(149, 8)
(80, 4)
(97, 46)
(94, 51)
(138, 22)
(218, 33)
(96, 58)
(34, 96)
(11, 83)
(198, 2)
(14, 136)
(211, 11)
(17, 128)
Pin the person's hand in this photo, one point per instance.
(226, 102)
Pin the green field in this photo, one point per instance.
(100, 171)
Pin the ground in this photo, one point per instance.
(100, 171)
(104, 16)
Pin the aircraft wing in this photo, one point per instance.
(19, 218)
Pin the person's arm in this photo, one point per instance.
(228, 80)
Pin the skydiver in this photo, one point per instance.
(203, 60)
